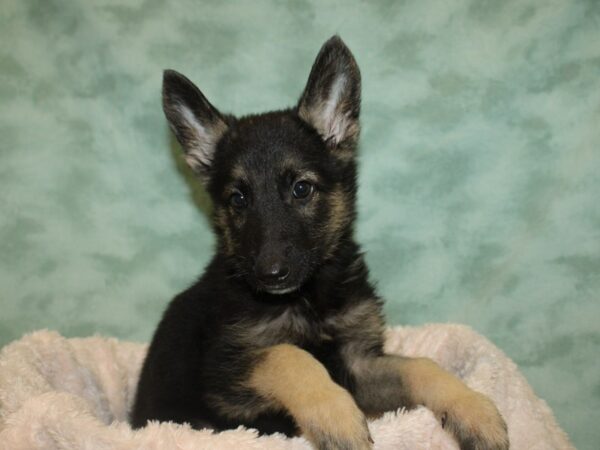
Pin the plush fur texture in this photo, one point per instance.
(69, 394)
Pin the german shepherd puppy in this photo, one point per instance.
(284, 331)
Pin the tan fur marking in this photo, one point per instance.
(445, 394)
(220, 220)
(309, 175)
(339, 216)
(324, 411)
(361, 326)
(426, 379)
(238, 173)
(290, 326)
(339, 211)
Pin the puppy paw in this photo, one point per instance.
(336, 423)
(476, 423)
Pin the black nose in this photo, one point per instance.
(272, 273)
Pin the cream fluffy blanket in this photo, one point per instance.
(58, 393)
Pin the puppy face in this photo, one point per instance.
(282, 183)
(275, 186)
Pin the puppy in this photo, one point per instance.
(284, 332)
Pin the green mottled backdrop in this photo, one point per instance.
(480, 154)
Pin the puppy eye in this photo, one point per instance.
(302, 189)
(238, 201)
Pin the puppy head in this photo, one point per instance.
(283, 183)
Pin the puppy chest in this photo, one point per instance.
(290, 327)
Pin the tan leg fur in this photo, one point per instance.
(325, 412)
(470, 416)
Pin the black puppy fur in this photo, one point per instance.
(284, 331)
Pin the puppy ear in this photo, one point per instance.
(331, 99)
(196, 123)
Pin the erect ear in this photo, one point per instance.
(196, 123)
(331, 99)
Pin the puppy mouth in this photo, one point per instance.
(279, 290)
(286, 284)
(279, 287)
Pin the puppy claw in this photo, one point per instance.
(444, 419)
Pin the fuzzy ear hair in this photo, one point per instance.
(197, 124)
(331, 99)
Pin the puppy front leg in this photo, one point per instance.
(388, 382)
(293, 379)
